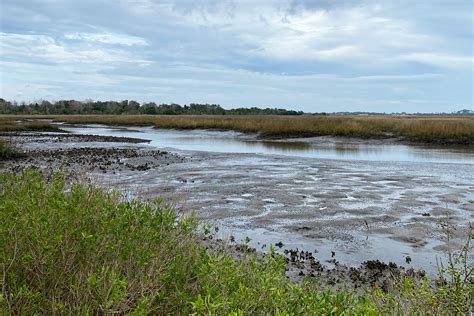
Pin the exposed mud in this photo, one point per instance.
(62, 137)
(103, 160)
(301, 265)
(85, 155)
(361, 210)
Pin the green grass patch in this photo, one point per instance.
(77, 249)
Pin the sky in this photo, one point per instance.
(315, 56)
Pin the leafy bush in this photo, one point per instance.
(80, 249)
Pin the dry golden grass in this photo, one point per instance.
(11, 124)
(423, 129)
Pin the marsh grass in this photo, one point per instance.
(458, 130)
(12, 124)
(76, 249)
(8, 152)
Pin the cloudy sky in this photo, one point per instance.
(311, 55)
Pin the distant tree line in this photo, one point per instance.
(130, 107)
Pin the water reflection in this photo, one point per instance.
(295, 147)
(282, 146)
(233, 142)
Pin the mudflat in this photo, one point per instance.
(337, 212)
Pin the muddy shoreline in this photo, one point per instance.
(368, 141)
(63, 136)
(127, 165)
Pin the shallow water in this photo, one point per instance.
(233, 142)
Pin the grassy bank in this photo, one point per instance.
(13, 124)
(78, 249)
(459, 130)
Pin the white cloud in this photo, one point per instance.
(43, 48)
(107, 38)
(229, 87)
(365, 33)
(400, 78)
(344, 35)
(445, 60)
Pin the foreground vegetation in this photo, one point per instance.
(74, 248)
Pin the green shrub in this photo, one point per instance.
(80, 249)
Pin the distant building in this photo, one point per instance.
(465, 112)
